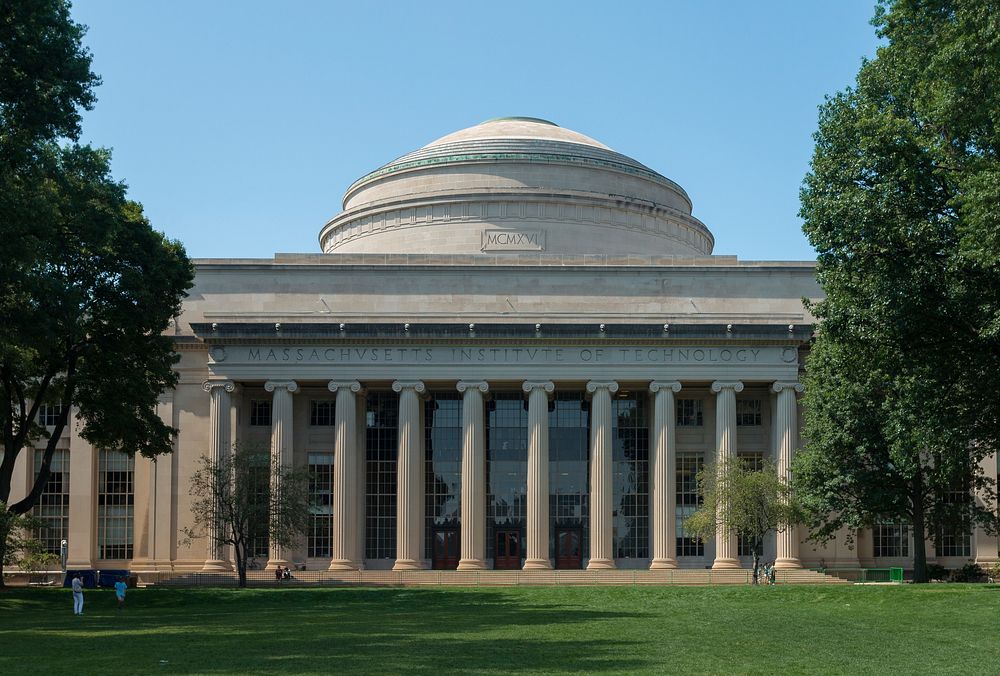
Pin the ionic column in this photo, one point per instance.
(725, 452)
(786, 431)
(409, 477)
(601, 488)
(473, 537)
(537, 550)
(281, 450)
(220, 441)
(345, 471)
(663, 470)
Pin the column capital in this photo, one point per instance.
(352, 385)
(480, 385)
(609, 385)
(290, 385)
(547, 385)
(779, 386)
(658, 385)
(210, 385)
(415, 385)
(735, 386)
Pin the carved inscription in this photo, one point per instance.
(513, 240)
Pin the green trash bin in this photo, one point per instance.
(895, 575)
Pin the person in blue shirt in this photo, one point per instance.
(120, 588)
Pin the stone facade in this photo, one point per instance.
(515, 351)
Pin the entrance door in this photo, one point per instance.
(569, 547)
(508, 554)
(446, 549)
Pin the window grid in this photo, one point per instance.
(688, 501)
(891, 540)
(322, 413)
(506, 465)
(381, 429)
(320, 505)
(690, 413)
(569, 467)
(954, 540)
(258, 536)
(48, 414)
(443, 464)
(52, 508)
(630, 476)
(260, 412)
(748, 413)
(115, 504)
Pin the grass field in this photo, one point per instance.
(942, 629)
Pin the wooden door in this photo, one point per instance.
(569, 547)
(508, 550)
(446, 549)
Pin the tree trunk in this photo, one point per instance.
(756, 566)
(919, 537)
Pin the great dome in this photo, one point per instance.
(515, 185)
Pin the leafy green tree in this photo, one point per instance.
(87, 287)
(901, 206)
(744, 500)
(233, 501)
(21, 547)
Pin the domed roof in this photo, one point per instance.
(517, 127)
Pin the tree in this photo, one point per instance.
(233, 502)
(901, 206)
(87, 287)
(744, 500)
(21, 547)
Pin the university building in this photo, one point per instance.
(515, 351)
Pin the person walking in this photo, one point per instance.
(77, 586)
(120, 587)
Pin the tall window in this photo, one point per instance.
(754, 461)
(748, 412)
(48, 414)
(321, 413)
(381, 428)
(258, 540)
(320, 504)
(115, 505)
(630, 476)
(891, 539)
(506, 465)
(690, 413)
(688, 501)
(260, 412)
(52, 508)
(443, 464)
(954, 539)
(569, 467)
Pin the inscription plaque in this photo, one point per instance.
(513, 240)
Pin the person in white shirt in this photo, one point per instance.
(77, 586)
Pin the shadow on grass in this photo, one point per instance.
(329, 630)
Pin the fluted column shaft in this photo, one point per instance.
(537, 550)
(409, 478)
(345, 473)
(473, 515)
(663, 470)
(281, 452)
(601, 488)
(220, 442)
(725, 447)
(786, 423)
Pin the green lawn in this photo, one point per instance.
(943, 629)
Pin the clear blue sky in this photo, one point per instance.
(239, 124)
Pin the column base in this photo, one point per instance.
(274, 563)
(342, 564)
(216, 566)
(600, 564)
(663, 564)
(537, 564)
(787, 563)
(726, 564)
(471, 564)
(408, 564)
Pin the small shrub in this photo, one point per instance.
(970, 572)
(935, 571)
(994, 572)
